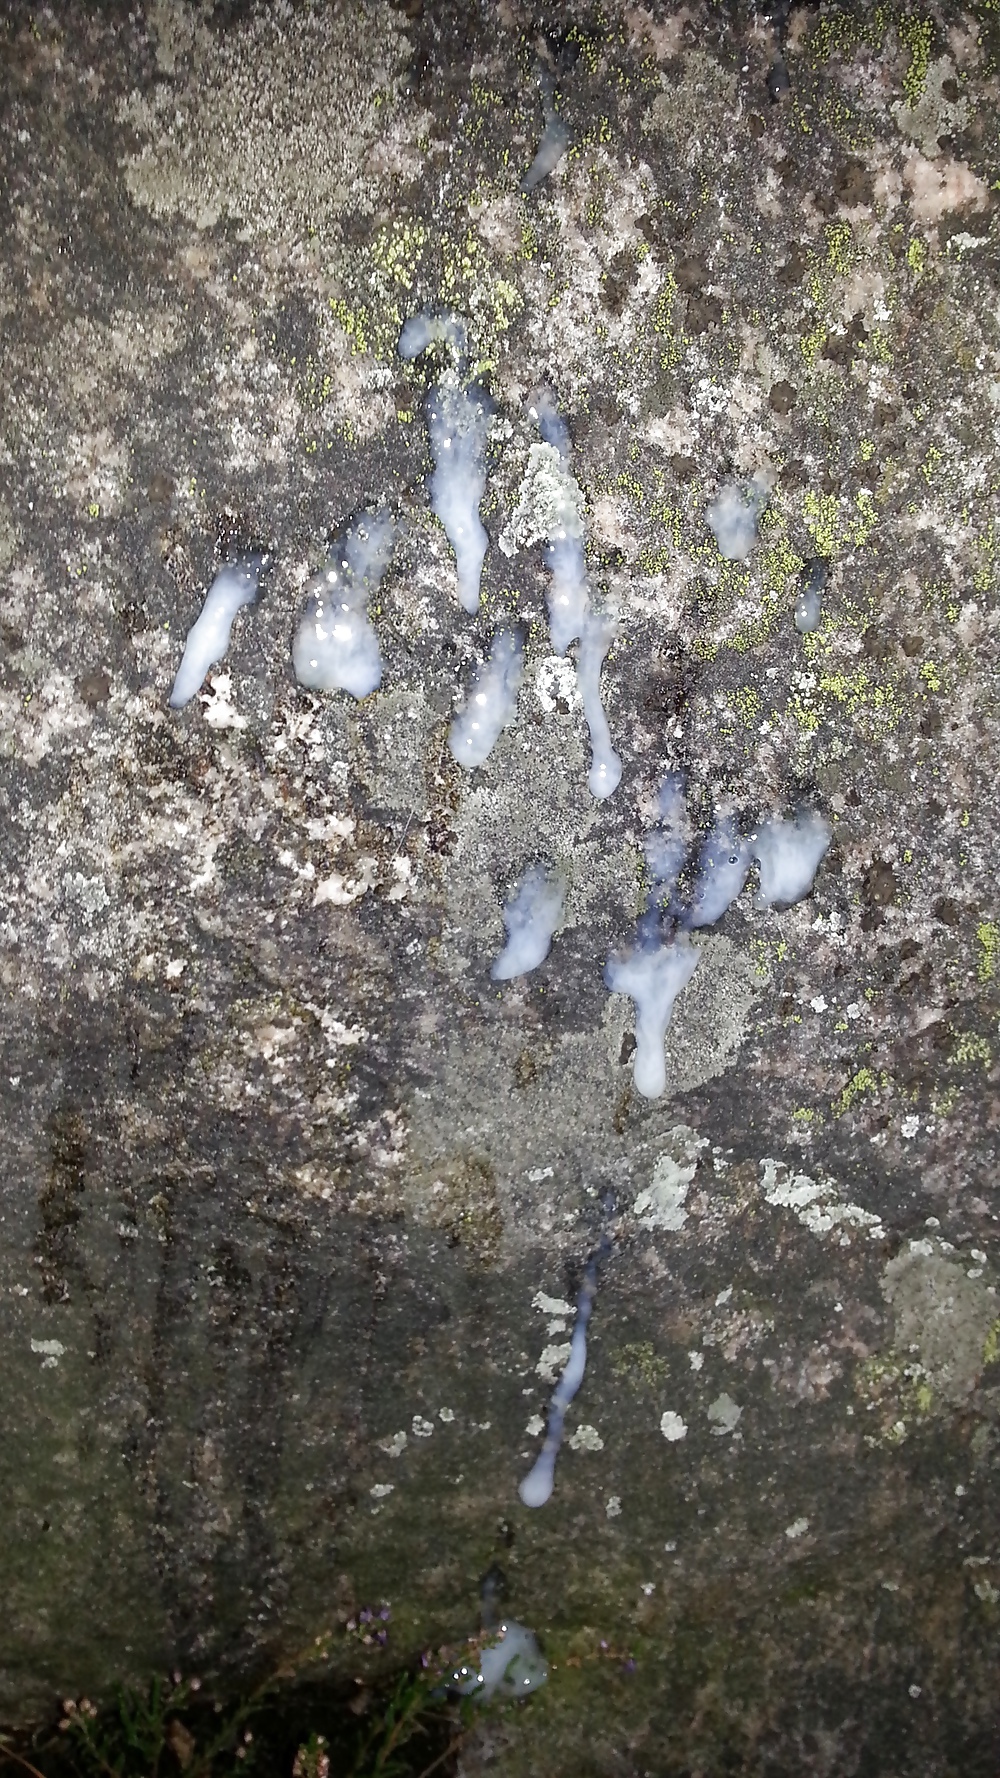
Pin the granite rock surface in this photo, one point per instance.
(291, 1192)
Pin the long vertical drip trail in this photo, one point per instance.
(537, 1485)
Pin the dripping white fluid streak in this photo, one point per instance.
(207, 640)
(458, 422)
(336, 647)
(571, 614)
(605, 766)
(537, 1486)
(530, 918)
(491, 702)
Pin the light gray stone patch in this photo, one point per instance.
(940, 1315)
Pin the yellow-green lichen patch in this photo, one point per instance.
(747, 703)
(916, 257)
(984, 547)
(405, 267)
(777, 561)
(395, 255)
(917, 34)
(971, 1048)
(841, 32)
(470, 282)
(357, 325)
(861, 1084)
(665, 325)
(872, 705)
(841, 248)
(640, 1364)
(988, 937)
(832, 527)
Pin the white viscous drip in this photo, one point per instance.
(458, 423)
(723, 867)
(537, 1486)
(652, 976)
(568, 596)
(732, 516)
(335, 646)
(571, 615)
(666, 845)
(808, 599)
(605, 772)
(655, 971)
(555, 139)
(512, 1666)
(530, 917)
(788, 855)
(424, 330)
(207, 640)
(491, 702)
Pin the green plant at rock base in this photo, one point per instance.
(382, 1754)
(296, 1723)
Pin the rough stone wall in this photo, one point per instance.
(285, 1175)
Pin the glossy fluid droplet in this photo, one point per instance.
(207, 640)
(723, 867)
(530, 917)
(733, 514)
(458, 415)
(336, 647)
(662, 961)
(653, 976)
(491, 702)
(508, 1667)
(605, 766)
(555, 139)
(553, 144)
(458, 424)
(808, 599)
(788, 855)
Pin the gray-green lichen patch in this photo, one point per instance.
(393, 747)
(275, 124)
(660, 1205)
(548, 492)
(941, 109)
(8, 539)
(941, 1316)
(680, 106)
